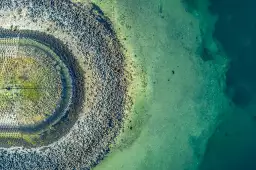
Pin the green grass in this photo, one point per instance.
(27, 81)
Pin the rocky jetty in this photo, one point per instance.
(98, 67)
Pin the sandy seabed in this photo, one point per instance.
(179, 100)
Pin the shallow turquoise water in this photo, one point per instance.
(182, 100)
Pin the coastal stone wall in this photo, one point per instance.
(95, 50)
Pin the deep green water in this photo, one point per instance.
(233, 144)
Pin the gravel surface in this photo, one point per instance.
(90, 38)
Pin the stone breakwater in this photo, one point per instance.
(95, 50)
